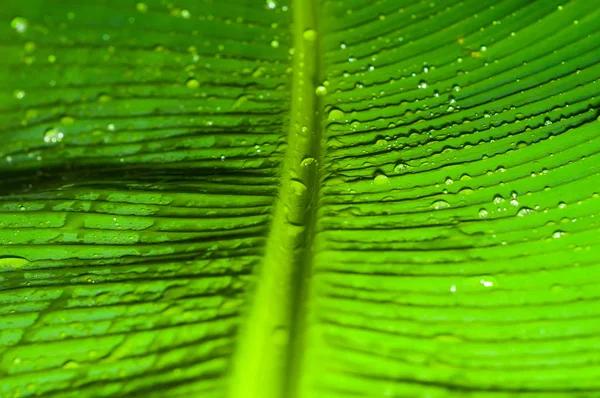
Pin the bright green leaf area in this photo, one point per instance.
(300, 198)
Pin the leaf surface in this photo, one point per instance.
(299, 199)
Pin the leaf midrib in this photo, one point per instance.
(268, 356)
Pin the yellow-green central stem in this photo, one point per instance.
(266, 363)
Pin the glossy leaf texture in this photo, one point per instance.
(140, 153)
(173, 205)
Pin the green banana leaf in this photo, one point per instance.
(300, 198)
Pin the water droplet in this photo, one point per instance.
(19, 24)
(483, 48)
(29, 47)
(342, 45)
(192, 83)
(298, 188)
(381, 179)
(185, 14)
(558, 234)
(562, 205)
(275, 44)
(67, 120)
(307, 162)
(53, 136)
(141, 7)
(483, 213)
(309, 35)
(400, 167)
(487, 282)
(453, 288)
(271, 4)
(321, 91)
(440, 204)
(498, 199)
(70, 365)
(335, 115)
(12, 263)
(524, 211)
(19, 94)
(381, 143)
(449, 181)
(103, 98)
(422, 84)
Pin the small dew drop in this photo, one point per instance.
(192, 83)
(498, 199)
(400, 167)
(335, 115)
(141, 7)
(67, 120)
(275, 44)
(297, 187)
(19, 94)
(19, 24)
(440, 204)
(309, 35)
(321, 91)
(307, 162)
(381, 179)
(483, 213)
(29, 47)
(524, 211)
(53, 136)
(104, 98)
(486, 282)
